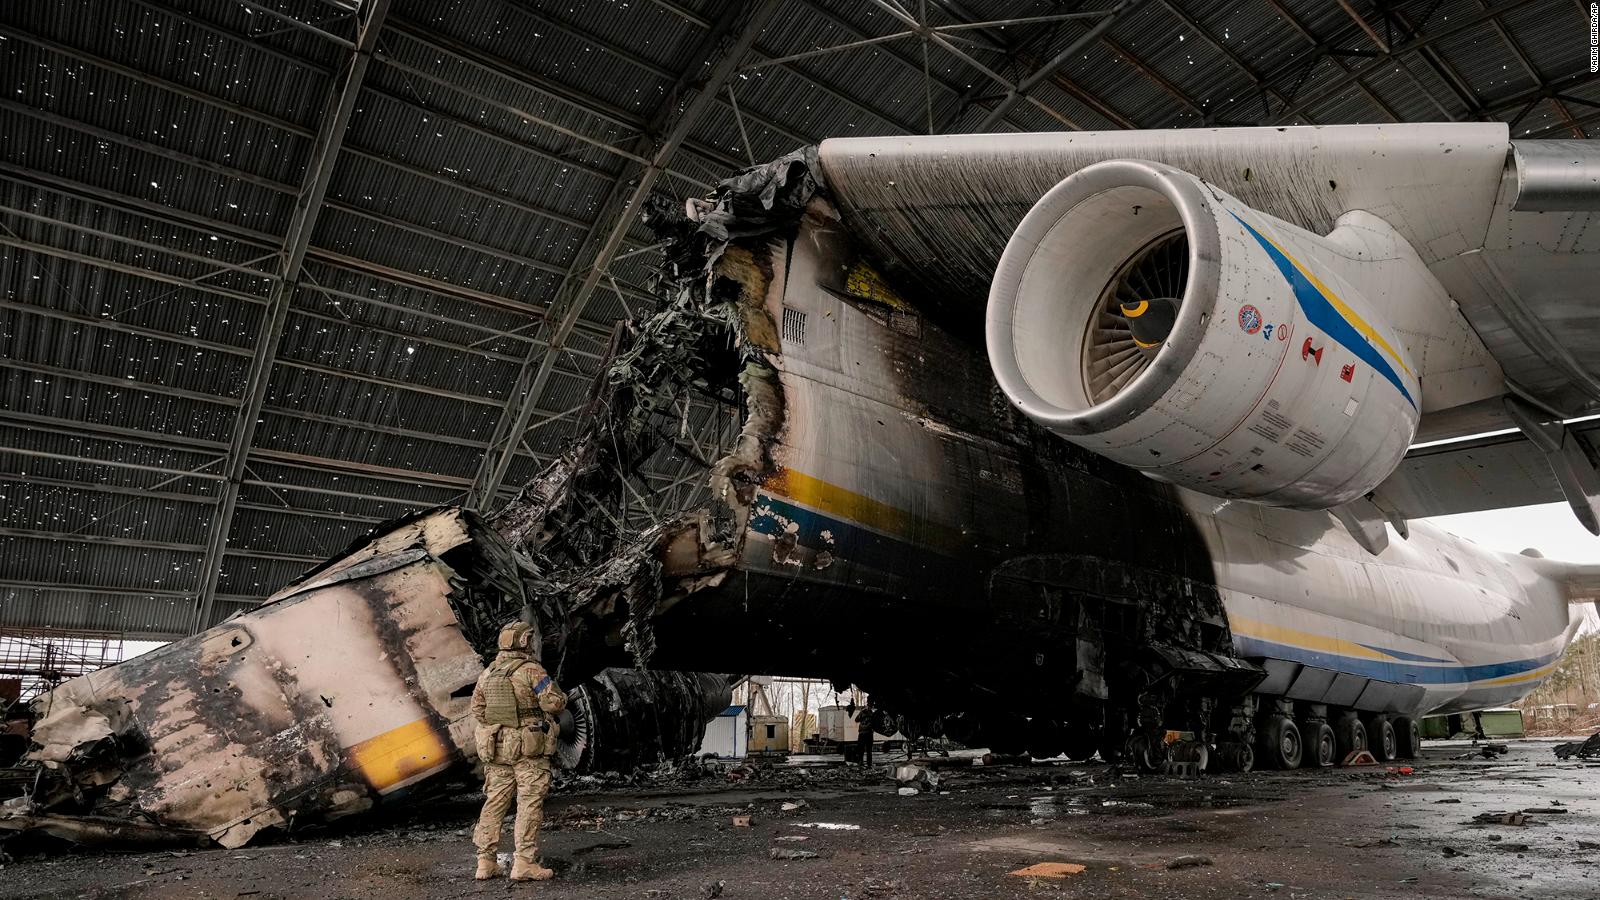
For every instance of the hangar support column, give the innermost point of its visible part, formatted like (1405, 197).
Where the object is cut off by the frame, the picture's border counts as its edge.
(314, 186)
(673, 123)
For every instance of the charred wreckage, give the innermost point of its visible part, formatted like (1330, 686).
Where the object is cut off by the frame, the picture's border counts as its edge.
(1021, 593)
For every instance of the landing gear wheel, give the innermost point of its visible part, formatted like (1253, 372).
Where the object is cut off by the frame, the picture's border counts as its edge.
(1080, 743)
(1350, 736)
(1236, 756)
(1045, 738)
(1384, 745)
(1408, 737)
(1111, 746)
(1191, 752)
(1323, 746)
(1147, 753)
(1280, 744)
(1005, 735)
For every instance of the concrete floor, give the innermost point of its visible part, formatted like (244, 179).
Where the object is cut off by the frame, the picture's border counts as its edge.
(1330, 833)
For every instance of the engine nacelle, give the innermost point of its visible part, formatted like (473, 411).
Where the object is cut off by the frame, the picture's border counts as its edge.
(1155, 319)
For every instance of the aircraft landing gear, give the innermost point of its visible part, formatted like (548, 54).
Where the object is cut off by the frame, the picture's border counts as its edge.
(1380, 734)
(1081, 742)
(1147, 750)
(1235, 756)
(1045, 738)
(1322, 748)
(1281, 745)
(1349, 735)
(1408, 736)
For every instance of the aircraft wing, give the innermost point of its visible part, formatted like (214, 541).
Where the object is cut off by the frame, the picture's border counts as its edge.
(1510, 230)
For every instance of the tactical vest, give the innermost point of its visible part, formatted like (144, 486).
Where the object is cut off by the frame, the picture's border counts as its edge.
(500, 698)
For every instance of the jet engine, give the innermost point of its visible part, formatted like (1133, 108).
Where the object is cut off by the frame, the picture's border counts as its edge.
(1155, 319)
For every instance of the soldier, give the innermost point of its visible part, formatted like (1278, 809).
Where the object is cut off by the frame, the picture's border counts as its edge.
(514, 704)
(864, 733)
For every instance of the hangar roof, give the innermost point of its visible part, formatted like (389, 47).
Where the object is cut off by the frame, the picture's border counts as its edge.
(277, 270)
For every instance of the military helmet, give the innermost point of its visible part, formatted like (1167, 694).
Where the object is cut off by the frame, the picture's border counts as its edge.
(517, 636)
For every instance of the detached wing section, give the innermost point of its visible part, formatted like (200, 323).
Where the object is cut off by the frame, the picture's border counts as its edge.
(1451, 255)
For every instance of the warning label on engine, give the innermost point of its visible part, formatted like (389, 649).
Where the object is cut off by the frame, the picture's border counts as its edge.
(1306, 443)
(1271, 424)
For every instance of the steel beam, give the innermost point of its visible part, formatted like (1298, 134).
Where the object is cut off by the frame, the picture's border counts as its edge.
(1190, 22)
(1057, 80)
(319, 173)
(1300, 28)
(725, 49)
(1043, 73)
(1364, 25)
(125, 204)
(1371, 66)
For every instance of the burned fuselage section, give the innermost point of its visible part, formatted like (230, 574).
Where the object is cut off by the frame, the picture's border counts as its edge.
(884, 517)
(348, 687)
(345, 687)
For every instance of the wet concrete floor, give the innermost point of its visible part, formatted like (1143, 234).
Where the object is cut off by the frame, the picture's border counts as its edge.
(1306, 834)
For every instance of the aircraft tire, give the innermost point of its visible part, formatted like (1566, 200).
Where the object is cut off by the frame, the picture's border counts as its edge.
(1408, 737)
(1385, 746)
(1080, 743)
(1236, 756)
(1350, 735)
(1145, 752)
(1045, 738)
(1281, 744)
(1322, 747)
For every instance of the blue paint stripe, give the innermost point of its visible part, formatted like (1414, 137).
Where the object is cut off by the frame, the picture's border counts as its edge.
(1322, 313)
(850, 541)
(1394, 672)
(860, 545)
(1401, 654)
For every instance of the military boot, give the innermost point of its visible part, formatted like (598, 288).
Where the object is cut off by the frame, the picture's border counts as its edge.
(487, 868)
(526, 871)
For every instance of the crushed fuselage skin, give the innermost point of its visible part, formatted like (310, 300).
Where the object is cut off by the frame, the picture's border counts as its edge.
(347, 686)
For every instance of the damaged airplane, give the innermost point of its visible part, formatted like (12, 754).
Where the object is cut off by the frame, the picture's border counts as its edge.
(1051, 442)
(345, 688)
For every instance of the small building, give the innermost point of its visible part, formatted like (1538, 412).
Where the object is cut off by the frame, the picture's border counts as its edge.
(728, 735)
(769, 734)
(836, 724)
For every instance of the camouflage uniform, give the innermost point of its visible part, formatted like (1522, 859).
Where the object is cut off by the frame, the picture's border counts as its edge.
(514, 705)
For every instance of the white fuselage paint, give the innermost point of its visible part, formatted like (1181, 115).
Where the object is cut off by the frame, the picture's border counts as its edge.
(1432, 609)
(1476, 628)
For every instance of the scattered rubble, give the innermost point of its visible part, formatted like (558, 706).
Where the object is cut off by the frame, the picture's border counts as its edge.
(1502, 818)
(1587, 749)
(674, 838)
(915, 777)
(1050, 870)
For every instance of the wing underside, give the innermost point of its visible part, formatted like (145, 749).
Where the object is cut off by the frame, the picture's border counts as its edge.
(1508, 228)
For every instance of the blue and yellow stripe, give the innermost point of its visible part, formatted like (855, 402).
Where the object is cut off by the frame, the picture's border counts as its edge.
(1324, 309)
(1254, 638)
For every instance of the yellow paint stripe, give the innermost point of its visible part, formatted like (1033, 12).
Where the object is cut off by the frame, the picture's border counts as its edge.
(1538, 673)
(1137, 310)
(1343, 308)
(1278, 634)
(399, 755)
(836, 501)
(859, 509)
(1308, 641)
